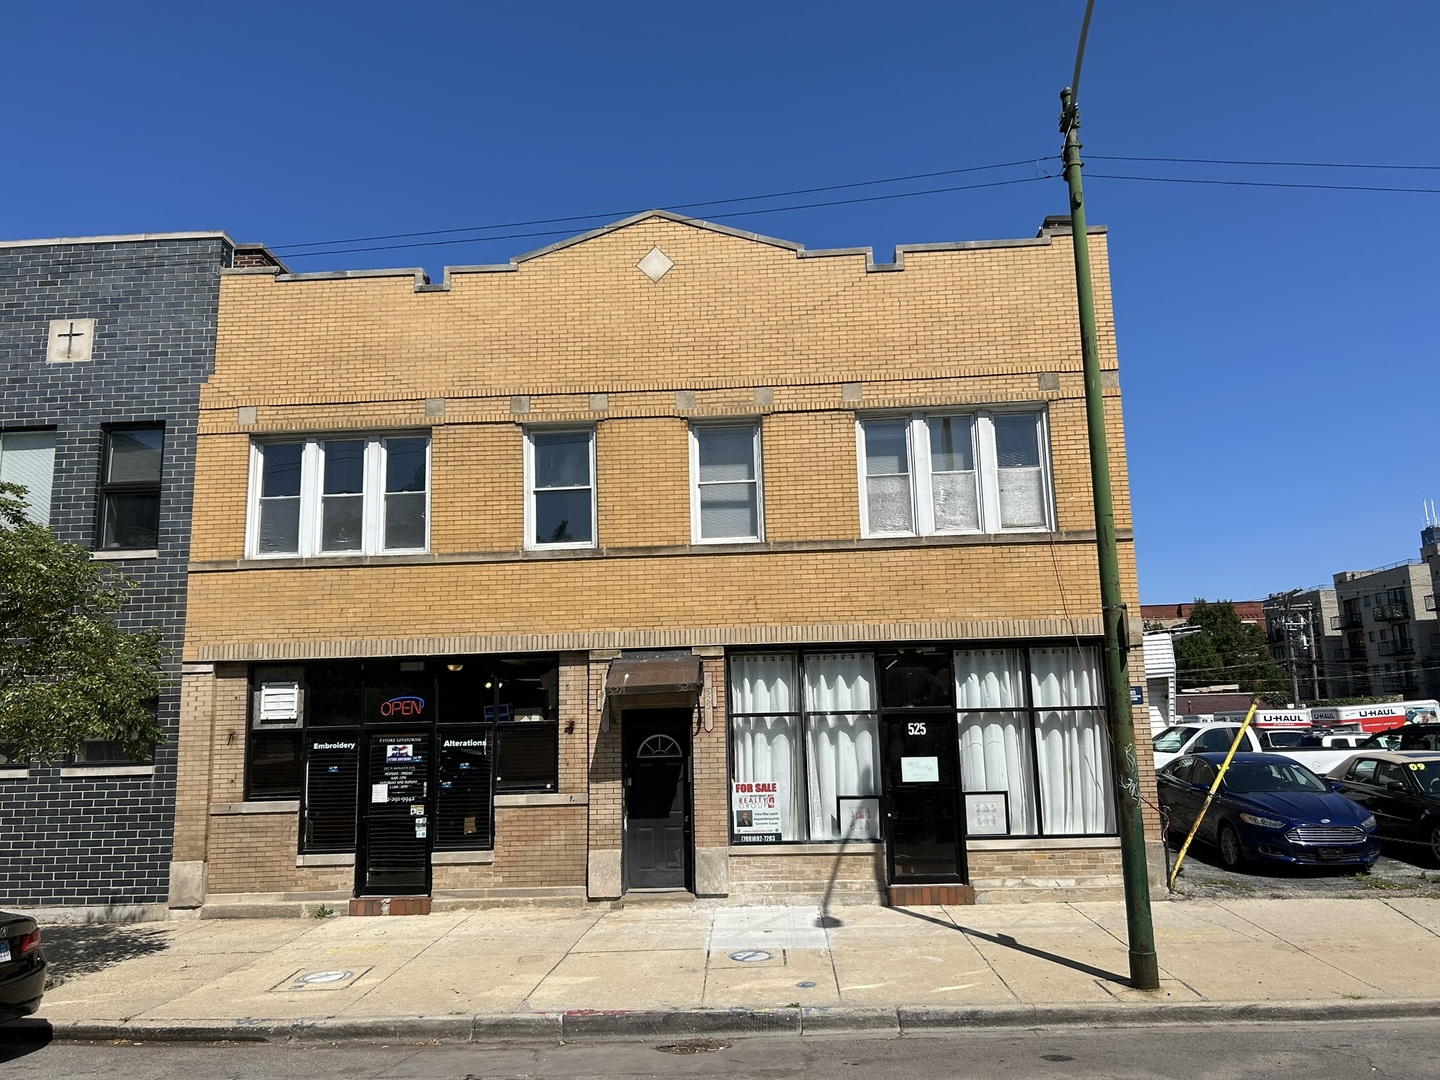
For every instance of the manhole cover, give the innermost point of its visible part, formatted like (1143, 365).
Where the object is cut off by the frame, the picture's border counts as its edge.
(318, 978)
(693, 1046)
(751, 956)
(320, 981)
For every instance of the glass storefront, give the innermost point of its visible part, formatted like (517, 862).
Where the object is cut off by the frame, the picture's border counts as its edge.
(493, 721)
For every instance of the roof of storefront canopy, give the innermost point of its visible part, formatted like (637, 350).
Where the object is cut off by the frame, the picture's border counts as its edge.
(669, 674)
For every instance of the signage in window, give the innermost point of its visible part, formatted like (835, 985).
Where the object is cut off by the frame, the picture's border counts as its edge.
(755, 811)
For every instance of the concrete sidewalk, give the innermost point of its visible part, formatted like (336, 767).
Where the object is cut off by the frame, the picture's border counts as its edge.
(656, 969)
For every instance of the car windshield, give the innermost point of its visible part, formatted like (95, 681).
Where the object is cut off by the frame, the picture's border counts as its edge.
(1426, 774)
(1172, 739)
(1285, 738)
(1382, 740)
(1278, 775)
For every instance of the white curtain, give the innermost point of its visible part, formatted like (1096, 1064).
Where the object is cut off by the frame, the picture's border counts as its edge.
(995, 748)
(1071, 747)
(767, 748)
(842, 747)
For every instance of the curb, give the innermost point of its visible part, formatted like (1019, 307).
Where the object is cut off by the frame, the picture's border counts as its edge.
(736, 1023)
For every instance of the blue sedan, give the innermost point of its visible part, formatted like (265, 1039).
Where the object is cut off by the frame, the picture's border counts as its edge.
(1267, 808)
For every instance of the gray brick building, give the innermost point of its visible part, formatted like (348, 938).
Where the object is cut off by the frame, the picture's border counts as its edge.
(104, 342)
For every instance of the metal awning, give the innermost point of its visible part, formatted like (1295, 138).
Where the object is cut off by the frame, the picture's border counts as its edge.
(675, 674)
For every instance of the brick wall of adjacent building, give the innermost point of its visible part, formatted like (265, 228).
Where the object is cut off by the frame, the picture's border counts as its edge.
(99, 840)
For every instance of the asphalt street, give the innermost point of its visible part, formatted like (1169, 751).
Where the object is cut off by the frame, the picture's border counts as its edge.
(1322, 1051)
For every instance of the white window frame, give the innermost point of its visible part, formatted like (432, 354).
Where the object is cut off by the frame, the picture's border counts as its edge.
(38, 496)
(759, 482)
(987, 473)
(532, 544)
(312, 466)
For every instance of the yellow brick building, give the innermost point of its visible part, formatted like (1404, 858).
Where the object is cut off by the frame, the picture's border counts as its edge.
(665, 558)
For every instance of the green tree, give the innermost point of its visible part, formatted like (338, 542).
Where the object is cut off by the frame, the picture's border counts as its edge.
(68, 672)
(1227, 650)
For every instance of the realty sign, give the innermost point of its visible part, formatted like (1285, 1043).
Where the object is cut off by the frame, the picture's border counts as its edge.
(755, 811)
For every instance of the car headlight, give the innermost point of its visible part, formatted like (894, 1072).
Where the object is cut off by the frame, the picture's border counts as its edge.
(1263, 822)
(1368, 823)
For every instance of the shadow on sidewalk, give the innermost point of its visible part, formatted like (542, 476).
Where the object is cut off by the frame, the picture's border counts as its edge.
(85, 948)
(1010, 943)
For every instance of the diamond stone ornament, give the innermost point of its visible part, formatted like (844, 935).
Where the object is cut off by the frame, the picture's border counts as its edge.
(655, 265)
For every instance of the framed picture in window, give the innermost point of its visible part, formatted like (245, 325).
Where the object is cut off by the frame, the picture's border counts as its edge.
(859, 817)
(987, 813)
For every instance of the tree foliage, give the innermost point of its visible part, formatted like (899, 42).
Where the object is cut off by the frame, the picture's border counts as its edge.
(1227, 650)
(68, 671)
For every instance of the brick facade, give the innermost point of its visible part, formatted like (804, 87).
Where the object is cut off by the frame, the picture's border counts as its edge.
(88, 836)
(740, 327)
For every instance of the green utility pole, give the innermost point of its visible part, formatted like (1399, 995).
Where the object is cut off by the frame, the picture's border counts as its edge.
(1144, 968)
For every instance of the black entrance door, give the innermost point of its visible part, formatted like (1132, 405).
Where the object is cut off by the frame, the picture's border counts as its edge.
(393, 854)
(923, 803)
(656, 748)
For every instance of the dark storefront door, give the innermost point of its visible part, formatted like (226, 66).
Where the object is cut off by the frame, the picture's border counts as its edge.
(922, 799)
(656, 748)
(393, 856)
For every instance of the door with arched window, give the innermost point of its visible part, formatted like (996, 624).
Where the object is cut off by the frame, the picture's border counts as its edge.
(656, 774)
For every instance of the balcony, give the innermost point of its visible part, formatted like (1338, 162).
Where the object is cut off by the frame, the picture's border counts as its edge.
(1397, 648)
(1354, 656)
(1347, 620)
(1391, 612)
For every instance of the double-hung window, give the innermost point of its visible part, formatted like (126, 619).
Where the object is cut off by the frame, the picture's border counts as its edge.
(560, 489)
(926, 473)
(726, 504)
(130, 487)
(348, 495)
(27, 458)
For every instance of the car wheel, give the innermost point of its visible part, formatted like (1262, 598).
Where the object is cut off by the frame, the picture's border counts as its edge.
(1435, 843)
(1231, 853)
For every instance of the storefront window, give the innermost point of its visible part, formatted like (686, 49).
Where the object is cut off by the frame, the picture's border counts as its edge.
(463, 814)
(274, 767)
(1030, 728)
(786, 787)
(498, 733)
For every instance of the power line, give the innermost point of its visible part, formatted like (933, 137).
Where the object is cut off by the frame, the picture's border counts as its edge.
(1265, 184)
(1278, 164)
(615, 214)
(713, 217)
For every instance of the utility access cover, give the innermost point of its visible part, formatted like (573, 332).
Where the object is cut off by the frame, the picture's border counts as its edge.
(320, 980)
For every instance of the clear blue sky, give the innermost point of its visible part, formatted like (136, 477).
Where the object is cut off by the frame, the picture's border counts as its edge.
(1278, 346)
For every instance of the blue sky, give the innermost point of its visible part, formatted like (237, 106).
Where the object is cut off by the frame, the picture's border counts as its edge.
(1277, 345)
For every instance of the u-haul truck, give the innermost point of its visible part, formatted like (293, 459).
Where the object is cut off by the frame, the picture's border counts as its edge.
(1270, 718)
(1381, 717)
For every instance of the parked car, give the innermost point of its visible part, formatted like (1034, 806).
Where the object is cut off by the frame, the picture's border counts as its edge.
(1402, 789)
(1215, 738)
(1406, 737)
(22, 966)
(1268, 808)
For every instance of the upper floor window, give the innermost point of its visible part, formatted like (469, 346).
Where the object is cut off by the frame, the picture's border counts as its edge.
(350, 495)
(27, 458)
(725, 496)
(560, 489)
(130, 487)
(925, 473)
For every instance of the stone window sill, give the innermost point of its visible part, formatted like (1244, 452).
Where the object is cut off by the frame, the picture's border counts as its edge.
(120, 554)
(78, 772)
(279, 806)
